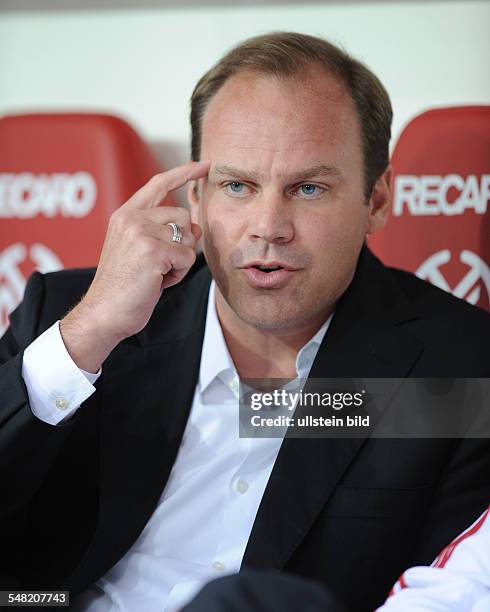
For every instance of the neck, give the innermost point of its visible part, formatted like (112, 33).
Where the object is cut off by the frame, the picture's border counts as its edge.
(264, 353)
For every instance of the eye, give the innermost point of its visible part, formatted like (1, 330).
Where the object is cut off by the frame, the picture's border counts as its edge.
(309, 191)
(236, 188)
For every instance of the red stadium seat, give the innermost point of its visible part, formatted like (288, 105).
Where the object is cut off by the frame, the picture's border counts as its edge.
(61, 176)
(439, 227)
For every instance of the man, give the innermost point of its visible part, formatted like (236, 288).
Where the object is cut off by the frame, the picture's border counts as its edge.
(136, 492)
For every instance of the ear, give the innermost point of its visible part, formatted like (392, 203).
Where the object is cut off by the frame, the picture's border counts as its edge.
(379, 202)
(193, 199)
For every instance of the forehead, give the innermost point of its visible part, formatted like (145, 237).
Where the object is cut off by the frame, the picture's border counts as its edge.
(256, 117)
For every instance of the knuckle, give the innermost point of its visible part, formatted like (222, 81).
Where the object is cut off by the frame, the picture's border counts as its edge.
(191, 239)
(148, 248)
(180, 214)
(123, 217)
(134, 231)
(190, 254)
(118, 222)
(114, 218)
(186, 216)
(156, 179)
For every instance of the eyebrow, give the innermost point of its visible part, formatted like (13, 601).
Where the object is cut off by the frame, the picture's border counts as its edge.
(254, 177)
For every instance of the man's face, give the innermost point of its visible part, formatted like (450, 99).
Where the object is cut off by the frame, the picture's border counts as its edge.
(285, 188)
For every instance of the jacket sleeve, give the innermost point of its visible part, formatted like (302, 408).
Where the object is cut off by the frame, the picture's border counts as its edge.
(28, 446)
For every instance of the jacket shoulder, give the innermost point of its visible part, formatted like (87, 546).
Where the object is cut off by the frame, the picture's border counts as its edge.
(431, 301)
(456, 334)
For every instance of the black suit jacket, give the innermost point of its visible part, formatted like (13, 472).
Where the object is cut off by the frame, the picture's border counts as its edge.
(352, 513)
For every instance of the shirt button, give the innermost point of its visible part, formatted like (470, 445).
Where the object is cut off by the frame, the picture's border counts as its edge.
(218, 566)
(61, 403)
(241, 486)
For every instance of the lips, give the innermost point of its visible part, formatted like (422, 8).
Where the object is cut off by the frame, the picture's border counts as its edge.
(268, 266)
(268, 275)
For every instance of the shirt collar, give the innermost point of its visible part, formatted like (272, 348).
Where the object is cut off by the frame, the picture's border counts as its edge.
(216, 361)
(215, 358)
(306, 355)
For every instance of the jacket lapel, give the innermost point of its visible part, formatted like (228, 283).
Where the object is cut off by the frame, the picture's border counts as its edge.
(368, 337)
(146, 395)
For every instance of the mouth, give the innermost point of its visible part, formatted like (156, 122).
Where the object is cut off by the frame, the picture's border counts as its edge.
(268, 269)
(268, 275)
(269, 266)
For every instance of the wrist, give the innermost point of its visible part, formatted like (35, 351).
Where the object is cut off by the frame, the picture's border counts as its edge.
(87, 339)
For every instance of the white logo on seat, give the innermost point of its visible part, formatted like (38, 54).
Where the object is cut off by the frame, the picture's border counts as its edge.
(465, 289)
(25, 195)
(447, 195)
(12, 280)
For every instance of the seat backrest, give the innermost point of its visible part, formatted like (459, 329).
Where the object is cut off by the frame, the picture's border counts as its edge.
(439, 226)
(61, 177)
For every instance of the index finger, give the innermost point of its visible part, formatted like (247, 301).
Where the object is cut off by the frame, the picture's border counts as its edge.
(157, 188)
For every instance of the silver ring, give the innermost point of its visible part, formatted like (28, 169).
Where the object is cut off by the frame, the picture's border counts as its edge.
(177, 232)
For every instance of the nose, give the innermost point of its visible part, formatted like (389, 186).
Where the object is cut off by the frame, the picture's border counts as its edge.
(271, 220)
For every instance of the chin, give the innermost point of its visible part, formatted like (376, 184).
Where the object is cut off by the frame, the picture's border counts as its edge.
(270, 319)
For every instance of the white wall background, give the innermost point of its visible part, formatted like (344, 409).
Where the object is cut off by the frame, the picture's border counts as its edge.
(143, 63)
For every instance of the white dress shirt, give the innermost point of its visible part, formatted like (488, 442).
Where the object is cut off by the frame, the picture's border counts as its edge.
(202, 523)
